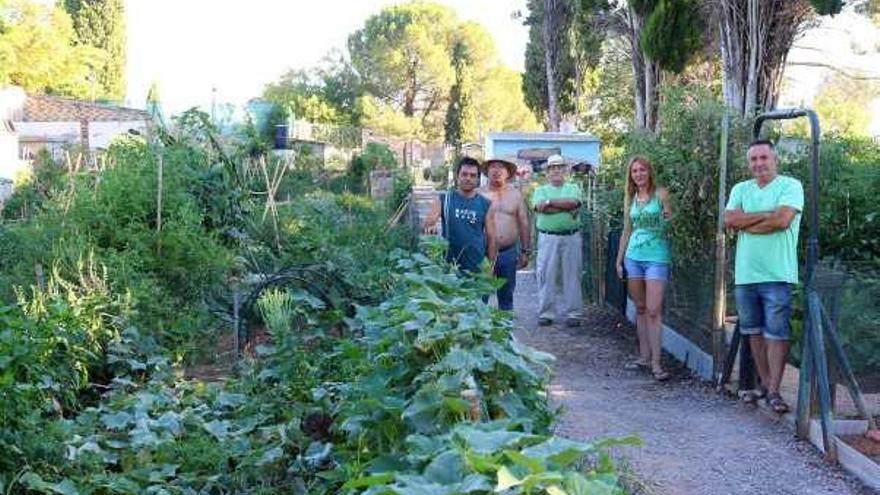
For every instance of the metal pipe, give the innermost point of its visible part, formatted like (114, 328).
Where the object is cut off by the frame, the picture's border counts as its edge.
(813, 239)
(808, 364)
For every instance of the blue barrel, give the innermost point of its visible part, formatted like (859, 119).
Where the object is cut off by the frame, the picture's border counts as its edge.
(282, 138)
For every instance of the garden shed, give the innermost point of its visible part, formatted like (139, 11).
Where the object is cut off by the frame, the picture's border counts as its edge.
(535, 147)
(55, 124)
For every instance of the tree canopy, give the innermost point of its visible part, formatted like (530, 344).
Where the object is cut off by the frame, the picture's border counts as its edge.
(574, 32)
(403, 57)
(326, 94)
(101, 24)
(38, 51)
(413, 71)
(844, 105)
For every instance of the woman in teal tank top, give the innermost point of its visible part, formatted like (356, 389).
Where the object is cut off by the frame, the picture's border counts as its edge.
(643, 258)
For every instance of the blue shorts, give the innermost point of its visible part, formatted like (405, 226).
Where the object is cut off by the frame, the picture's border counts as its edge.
(765, 308)
(647, 270)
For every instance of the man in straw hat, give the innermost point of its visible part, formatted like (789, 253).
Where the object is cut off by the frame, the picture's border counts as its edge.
(559, 244)
(466, 218)
(512, 233)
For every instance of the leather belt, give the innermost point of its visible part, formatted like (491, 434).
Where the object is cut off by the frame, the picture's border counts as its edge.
(559, 232)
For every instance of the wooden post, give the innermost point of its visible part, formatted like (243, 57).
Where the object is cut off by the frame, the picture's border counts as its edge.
(821, 362)
(159, 172)
(846, 371)
(236, 323)
(806, 384)
(720, 304)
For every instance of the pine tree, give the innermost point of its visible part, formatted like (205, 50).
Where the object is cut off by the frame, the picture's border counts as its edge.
(101, 24)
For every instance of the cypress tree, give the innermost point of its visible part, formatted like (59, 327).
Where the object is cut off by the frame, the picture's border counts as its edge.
(101, 24)
(673, 33)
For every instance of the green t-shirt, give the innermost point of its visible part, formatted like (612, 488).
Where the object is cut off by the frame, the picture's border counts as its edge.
(767, 257)
(649, 240)
(557, 222)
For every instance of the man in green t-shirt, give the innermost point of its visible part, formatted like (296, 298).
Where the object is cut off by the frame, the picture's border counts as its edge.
(559, 244)
(765, 211)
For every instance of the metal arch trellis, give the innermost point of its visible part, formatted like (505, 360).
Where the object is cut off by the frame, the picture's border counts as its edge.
(819, 325)
(319, 279)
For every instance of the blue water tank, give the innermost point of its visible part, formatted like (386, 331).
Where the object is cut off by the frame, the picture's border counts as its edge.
(282, 138)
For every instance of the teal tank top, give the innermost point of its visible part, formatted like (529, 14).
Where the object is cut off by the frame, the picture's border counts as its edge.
(649, 240)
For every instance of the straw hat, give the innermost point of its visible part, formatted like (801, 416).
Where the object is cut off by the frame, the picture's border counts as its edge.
(508, 163)
(555, 161)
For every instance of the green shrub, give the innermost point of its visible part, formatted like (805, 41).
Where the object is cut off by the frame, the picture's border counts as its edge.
(34, 188)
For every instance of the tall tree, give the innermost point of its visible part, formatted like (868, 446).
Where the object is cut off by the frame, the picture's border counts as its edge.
(844, 105)
(755, 38)
(38, 51)
(589, 29)
(328, 93)
(500, 103)
(870, 8)
(461, 124)
(662, 35)
(554, 36)
(565, 38)
(422, 70)
(101, 24)
(402, 55)
(646, 72)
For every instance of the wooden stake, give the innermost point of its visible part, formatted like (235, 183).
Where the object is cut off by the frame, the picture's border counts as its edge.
(159, 205)
(720, 303)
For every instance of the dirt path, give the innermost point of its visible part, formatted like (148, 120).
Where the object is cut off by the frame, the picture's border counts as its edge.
(695, 441)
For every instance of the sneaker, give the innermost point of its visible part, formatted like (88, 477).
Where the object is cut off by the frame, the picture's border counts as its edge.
(543, 322)
(572, 322)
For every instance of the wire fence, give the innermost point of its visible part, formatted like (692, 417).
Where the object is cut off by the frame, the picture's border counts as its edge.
(850, 290)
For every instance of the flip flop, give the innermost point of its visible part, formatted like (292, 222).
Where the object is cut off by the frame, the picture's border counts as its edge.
(775, 402)
(635, 365)
(753, 396)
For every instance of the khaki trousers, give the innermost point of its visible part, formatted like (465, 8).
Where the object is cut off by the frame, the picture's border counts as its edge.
(559, 256)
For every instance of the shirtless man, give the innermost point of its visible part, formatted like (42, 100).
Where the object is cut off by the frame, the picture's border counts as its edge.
(512, 233)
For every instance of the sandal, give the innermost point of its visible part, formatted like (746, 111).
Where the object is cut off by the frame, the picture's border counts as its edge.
(635, 365)
(661, 375)
(775, 402)
(753, 396)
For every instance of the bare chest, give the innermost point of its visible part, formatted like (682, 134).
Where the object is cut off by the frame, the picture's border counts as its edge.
(506, 202)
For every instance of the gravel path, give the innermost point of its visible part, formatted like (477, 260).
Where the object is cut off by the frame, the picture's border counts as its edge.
(695, 440)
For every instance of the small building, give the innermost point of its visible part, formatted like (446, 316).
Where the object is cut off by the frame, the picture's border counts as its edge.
(59, 124)
(11, 101)
(535, 147)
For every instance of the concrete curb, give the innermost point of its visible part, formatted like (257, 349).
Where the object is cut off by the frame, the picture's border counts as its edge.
(695, 359)
(850, 459)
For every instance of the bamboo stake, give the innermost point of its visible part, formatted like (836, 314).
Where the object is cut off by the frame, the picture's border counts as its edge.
(159, 205)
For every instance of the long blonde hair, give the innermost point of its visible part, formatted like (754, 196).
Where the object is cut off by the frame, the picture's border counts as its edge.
(631, 188)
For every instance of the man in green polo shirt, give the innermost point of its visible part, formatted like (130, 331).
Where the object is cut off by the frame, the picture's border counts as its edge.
(765, 211)
(559, 245)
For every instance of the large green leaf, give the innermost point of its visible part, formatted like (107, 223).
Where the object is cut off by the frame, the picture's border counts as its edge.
(446, 468)
(116, 421)
(488, 442)
(559, 450)
(368, 481)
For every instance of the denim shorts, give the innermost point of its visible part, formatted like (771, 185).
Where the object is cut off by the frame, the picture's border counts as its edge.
(647, 270)
(765, 308)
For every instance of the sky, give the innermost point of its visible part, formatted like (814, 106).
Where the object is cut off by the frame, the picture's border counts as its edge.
(189, 47)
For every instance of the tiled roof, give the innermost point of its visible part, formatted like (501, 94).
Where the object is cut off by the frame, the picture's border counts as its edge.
(542, 136)
(44, 108)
